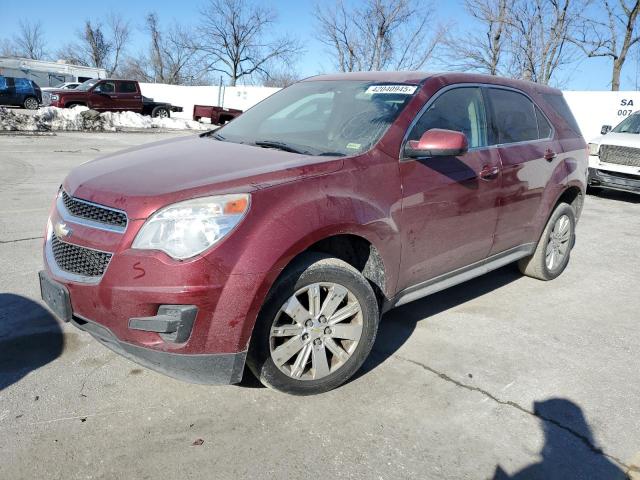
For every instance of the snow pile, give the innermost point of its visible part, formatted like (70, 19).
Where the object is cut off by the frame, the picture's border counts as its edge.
(82, 119)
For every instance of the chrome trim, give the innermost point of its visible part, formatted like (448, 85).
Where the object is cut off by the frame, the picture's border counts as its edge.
(488, 112)
(59, 272)
(69, 217)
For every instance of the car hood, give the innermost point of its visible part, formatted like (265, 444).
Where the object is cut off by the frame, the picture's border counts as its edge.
(142, 179)
(620, 139)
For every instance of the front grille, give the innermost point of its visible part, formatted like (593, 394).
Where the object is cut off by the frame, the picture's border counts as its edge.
(620, 155)
(90, 211)
(79, 260)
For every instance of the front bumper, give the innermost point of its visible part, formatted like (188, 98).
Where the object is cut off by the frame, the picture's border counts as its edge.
(210, 369)
(207, 368)
(614, 180)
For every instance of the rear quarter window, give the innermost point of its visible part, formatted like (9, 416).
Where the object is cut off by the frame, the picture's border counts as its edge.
(544, 127)
(560, 107)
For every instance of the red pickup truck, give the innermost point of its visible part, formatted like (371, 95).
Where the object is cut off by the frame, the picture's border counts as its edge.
(109, 95)
(218, 115)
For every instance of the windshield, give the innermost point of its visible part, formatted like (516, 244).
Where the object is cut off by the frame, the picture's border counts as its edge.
(84, 86)
(631, 124)
(321, 117)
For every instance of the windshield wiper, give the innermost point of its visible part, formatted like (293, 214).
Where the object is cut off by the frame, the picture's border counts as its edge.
(212, 133)
(279, 145)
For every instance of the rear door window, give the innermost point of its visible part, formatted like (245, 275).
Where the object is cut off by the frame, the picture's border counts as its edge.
(460, 109)
(514, 117)
(127, 87)
(23, 85)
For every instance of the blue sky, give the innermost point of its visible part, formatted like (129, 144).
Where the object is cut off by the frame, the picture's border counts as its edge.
(62, 19)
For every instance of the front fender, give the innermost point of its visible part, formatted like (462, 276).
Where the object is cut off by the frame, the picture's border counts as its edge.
(287, 219)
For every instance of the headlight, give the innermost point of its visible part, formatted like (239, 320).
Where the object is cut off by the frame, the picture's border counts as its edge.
(593, 149)
(185, 229)
(54, 97)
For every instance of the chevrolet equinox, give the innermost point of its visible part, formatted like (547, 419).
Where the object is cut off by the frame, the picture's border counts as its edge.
(279, 239)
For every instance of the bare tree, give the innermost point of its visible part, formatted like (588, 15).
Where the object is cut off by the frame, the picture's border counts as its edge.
(170, 59)
(120, 31)
(98, 46)
(336, 32)
(378, 35)
(485, 51)
(8, 48)
(280, 78)
(236, 38)
(541, 36)
(30, 42)
(612, 38)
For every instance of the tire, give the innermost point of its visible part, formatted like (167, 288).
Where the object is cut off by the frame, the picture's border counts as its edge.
(30, 103)
(540, 265)
(161, 112)
(304, 372)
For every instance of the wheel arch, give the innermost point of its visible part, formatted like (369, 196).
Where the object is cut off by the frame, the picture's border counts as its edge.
(353, 246)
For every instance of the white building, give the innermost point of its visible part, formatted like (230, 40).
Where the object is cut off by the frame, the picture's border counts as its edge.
(48, 74)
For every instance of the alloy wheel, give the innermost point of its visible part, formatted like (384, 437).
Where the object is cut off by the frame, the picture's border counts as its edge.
(558, 243)
(31, 103)
(316, 331)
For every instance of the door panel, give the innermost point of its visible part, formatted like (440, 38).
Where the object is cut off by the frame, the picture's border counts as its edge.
(128, 96)
(106, 99)
(449, 211)
(525, 174)
(524, 136)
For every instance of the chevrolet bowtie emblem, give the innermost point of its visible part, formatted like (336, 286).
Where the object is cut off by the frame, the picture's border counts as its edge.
(62, 230)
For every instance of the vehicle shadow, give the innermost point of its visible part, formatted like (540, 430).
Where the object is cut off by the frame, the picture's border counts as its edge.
(30, 337)
(397, 325)
(570, 450)
(619, 195)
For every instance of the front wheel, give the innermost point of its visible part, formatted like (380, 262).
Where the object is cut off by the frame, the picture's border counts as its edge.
(316, 327)
(551, 255)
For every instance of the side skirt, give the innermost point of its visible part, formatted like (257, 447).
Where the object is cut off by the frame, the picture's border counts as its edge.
(458, 276)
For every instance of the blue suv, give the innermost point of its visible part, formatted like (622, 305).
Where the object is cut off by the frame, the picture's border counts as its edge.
(21, 92)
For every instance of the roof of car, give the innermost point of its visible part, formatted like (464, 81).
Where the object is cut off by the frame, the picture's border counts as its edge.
(444, 77)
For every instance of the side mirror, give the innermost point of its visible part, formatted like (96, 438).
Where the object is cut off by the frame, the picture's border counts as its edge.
(437, 142)
(605, 129)
(97, 89)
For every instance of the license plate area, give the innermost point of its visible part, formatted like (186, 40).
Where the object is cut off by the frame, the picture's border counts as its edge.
(56, 296)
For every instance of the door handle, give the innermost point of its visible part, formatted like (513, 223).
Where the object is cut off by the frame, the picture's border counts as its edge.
(549, 155)
(488, 172)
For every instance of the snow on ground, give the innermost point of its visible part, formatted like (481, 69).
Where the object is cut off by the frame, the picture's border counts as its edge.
(82, 119)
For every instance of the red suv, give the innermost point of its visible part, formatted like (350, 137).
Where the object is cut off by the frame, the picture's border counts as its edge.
(280, 238)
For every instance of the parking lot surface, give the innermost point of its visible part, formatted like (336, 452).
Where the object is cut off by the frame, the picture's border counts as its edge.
(501, 377)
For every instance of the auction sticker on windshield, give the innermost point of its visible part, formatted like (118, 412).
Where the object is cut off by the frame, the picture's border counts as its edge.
(397, 89)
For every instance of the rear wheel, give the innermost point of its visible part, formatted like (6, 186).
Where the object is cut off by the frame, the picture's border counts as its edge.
(316, 328)
(30, 103)
(551, 255)
(160, 112)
